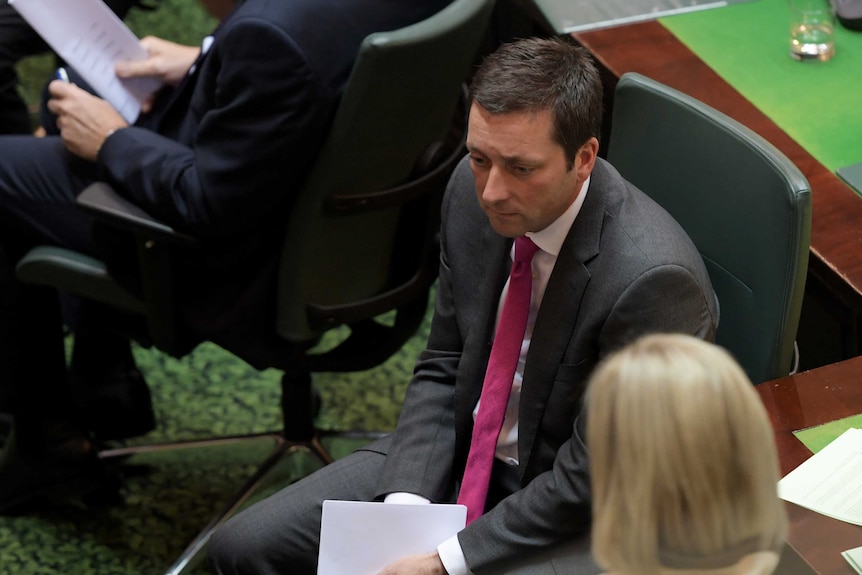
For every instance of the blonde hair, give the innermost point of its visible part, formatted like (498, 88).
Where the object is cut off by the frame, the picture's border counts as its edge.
(682, 457)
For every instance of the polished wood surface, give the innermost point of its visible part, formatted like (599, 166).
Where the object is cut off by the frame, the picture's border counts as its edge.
(836, 232)
(797, 402)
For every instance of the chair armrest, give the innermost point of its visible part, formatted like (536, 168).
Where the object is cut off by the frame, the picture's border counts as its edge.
(103, 202)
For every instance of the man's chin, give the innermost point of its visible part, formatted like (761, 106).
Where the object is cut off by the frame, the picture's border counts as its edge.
(507, 227)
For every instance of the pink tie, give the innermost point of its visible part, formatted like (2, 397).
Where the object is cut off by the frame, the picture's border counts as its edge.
(498, 381)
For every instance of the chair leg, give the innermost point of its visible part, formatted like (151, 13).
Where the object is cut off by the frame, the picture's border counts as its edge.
(199, 542)
(300, 406)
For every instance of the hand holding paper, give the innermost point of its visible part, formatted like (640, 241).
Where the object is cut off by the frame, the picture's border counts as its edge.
(91, 39)
(359, 538)
(167, 61)
(428, 564)
(84, 120)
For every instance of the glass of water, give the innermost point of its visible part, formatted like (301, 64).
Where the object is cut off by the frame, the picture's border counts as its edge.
(812, 30)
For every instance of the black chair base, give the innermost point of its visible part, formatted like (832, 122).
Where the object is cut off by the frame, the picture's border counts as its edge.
(298, 435)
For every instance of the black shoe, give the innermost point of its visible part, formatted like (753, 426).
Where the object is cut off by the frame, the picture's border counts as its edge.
(60, 473)
(114, 404)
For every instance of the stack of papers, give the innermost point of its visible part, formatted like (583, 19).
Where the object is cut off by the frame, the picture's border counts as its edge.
(830, 481)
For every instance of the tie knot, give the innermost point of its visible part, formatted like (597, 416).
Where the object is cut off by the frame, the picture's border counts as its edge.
(525, 249)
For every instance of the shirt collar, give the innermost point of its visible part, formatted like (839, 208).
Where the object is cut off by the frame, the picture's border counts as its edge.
(551, 239)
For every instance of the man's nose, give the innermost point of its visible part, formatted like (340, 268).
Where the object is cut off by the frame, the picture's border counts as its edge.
(495, 187)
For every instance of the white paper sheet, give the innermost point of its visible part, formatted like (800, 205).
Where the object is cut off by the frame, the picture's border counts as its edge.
(360, 538)
(830, 481)
(91, 38)
(854, 557)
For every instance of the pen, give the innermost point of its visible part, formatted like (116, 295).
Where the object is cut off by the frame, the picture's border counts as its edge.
(61, 74)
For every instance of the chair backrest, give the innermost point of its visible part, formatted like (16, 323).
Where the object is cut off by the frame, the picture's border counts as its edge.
(744, 204)
(367, 213)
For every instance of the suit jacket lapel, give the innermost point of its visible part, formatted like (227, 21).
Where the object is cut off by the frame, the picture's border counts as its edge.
(556, 320)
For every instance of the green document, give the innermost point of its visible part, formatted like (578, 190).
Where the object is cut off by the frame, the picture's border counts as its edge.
(819, 104)
(817, 437)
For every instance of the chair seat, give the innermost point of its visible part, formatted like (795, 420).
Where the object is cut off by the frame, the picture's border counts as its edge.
(79, 274)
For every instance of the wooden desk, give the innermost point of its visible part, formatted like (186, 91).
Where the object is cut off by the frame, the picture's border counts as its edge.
(796, 402)
(832, 313)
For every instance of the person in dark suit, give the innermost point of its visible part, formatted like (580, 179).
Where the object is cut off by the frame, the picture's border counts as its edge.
(217, 154)
(112, 394)
(611, 265)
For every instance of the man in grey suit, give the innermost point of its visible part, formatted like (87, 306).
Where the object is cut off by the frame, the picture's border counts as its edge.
(611, 265)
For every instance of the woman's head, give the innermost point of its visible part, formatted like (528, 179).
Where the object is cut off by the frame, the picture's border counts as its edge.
(682, 457)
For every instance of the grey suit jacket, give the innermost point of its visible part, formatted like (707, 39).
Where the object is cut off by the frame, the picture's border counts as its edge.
(626, 268)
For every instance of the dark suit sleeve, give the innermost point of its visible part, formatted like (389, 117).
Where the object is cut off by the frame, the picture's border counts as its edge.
(555, 506)
(257, 121)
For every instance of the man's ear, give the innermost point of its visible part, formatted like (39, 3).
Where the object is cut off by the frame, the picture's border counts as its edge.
(585, 158)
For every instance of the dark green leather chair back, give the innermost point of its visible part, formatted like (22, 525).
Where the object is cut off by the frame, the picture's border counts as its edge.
(745, 205)
(354, 218)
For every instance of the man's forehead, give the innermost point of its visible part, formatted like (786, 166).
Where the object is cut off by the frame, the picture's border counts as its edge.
(486, 130)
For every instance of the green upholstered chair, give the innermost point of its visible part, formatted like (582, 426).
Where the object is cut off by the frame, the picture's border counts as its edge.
(360, 241)
(745, 205)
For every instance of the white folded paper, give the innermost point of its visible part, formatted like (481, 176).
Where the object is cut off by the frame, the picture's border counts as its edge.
(360, 538)
(854, 557)
(830, 481)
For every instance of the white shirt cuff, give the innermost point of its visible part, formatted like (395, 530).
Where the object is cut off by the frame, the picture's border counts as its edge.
(452, 557)
(401, 497)
(450, 550)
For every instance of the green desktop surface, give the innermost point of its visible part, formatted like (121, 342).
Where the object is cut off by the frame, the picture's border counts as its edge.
(817, 437)
(819, 104)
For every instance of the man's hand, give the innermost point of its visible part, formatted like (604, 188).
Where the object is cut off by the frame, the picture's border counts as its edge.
(416, 565)
(167, 61)
(84, 120)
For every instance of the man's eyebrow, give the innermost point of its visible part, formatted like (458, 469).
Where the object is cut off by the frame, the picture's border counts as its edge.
(516, 159)
(513, 159)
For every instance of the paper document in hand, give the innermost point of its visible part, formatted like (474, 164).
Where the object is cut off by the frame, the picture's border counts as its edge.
(91, 38)
(360, 538)
(830, 482)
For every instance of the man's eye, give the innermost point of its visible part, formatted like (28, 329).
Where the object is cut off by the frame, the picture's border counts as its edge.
(523, 170)
(477, 161)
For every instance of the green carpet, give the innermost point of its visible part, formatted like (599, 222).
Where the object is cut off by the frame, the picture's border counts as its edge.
(168, 497)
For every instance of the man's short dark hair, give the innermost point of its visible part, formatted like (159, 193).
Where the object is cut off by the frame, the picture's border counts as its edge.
(537, 74)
